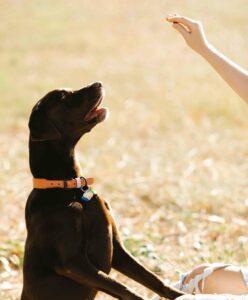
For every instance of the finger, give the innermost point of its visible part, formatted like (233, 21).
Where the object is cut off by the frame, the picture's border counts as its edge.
(180, 19)
(184, 26)
(184, 20)
(170, 16)
(184, 32)
(188, 28)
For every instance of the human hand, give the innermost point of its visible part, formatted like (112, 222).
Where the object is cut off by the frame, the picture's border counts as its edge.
(191, 30)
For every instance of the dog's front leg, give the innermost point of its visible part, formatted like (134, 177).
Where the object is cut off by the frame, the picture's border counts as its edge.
(86, 274)
(126, 264)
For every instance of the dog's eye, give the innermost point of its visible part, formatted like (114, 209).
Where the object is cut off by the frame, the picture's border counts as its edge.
(65, 98)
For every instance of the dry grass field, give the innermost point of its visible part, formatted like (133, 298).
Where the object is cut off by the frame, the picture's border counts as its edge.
(173, 157)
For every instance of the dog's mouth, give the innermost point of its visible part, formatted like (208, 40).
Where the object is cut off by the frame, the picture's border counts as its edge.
(97, 113)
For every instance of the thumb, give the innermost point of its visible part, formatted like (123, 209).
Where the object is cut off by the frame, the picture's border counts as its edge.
(181, 29)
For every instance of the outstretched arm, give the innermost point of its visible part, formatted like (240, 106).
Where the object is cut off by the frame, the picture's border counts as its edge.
(213, 297)
(193, 33)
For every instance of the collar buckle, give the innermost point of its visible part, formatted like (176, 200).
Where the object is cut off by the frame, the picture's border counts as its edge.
(65, 184)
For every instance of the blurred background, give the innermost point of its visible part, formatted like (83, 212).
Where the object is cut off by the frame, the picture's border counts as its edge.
(173, 157)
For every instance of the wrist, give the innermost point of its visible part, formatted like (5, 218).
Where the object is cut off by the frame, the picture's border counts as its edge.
(206, 50)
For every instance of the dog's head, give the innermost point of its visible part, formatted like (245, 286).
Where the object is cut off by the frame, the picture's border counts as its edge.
(67, 114)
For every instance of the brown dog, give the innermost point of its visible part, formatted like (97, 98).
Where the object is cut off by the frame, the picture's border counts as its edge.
(72, 244)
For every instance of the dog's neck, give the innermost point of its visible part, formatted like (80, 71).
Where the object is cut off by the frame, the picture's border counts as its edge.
(53, 160)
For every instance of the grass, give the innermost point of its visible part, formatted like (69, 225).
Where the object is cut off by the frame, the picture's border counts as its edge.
(172, 158)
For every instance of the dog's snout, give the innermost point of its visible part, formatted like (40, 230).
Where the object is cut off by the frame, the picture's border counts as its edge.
(97, 84)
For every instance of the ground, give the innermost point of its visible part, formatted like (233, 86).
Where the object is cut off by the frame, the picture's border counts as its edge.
(171, 159)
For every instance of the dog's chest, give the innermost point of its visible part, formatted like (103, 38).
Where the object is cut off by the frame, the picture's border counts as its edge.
(94, 222)
(100, 249)
(100, 242)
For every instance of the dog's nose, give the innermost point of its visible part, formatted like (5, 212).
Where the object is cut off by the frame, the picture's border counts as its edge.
(97, 84)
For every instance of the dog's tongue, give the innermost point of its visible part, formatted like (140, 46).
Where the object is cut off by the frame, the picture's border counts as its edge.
(100, 113)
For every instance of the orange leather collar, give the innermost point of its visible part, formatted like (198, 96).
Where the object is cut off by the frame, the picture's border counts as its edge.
(75, 183)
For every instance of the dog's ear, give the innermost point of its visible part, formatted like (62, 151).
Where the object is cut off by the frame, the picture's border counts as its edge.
(41, 128)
